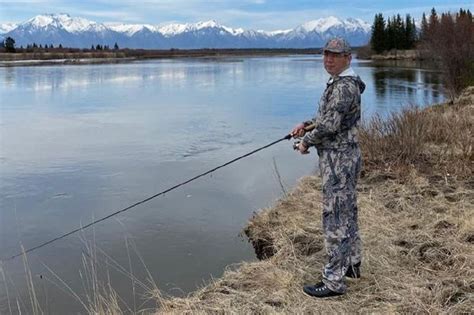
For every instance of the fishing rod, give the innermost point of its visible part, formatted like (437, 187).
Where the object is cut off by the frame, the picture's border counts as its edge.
(24, 252)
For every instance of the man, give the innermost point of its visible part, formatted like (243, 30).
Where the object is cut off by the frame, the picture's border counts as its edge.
(335, 138)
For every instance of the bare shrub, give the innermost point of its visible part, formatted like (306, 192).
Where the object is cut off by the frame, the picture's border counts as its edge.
(397, 140)
(450, 40)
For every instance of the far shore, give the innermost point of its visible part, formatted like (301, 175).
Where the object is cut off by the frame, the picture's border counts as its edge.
(68, 57)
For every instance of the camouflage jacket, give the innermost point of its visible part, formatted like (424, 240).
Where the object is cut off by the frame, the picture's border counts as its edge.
(338, 114)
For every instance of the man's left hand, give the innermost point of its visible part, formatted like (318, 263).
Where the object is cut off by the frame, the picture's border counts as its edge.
(302, 148)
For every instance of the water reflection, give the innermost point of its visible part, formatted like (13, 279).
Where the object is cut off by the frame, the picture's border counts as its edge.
(410, 86)
(396, 81)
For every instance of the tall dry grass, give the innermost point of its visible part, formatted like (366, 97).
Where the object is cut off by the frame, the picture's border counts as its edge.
(97, 296)
(439, 137)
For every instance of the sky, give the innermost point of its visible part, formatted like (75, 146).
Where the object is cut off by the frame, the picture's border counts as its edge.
(266, 15)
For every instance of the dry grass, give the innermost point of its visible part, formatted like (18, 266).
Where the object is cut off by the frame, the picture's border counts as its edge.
(417, 223)
(438, 138)
(97, 296)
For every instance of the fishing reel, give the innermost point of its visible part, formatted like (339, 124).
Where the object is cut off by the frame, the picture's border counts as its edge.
(296, 145)
(307, 128)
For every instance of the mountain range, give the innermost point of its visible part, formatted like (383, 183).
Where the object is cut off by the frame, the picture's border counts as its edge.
(78, 32)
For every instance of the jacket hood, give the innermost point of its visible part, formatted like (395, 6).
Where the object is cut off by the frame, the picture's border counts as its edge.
(349, 72)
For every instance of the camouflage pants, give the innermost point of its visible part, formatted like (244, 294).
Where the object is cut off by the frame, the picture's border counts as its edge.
(339, 172)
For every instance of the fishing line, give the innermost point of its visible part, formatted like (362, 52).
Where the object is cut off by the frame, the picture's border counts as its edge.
(287, 137)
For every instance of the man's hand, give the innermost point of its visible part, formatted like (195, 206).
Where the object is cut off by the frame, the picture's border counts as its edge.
(302, 148)
(298, 131)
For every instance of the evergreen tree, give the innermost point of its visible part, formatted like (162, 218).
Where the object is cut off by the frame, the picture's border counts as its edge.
(410, 32)
(432, 24)
(116, 47)
(98, 47)
(9, 44)
(60, 46)
(390, 34)
(399, 32)
(378, 40)
(424, 27)
(92, 47)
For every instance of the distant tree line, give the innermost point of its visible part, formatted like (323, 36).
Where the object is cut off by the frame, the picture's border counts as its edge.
(105, 47)
(395, 33)
(8, 45)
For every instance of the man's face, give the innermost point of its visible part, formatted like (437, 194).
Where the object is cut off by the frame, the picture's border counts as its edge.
(336, 63)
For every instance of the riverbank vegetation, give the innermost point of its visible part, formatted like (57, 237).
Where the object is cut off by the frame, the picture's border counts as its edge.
(416, 197)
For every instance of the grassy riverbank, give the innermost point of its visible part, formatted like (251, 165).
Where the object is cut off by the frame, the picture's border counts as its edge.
(416, 197)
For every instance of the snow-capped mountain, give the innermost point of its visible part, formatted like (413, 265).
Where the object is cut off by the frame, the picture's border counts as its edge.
(79, 32)
(7, 27)
(131, 29)
(178, 29)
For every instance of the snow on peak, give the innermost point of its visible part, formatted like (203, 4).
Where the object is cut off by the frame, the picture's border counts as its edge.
(130, 29)
(7, 27)
(324, 24)
(175, 29)
(207, 24)
(357, 23)
(64, 21)
(321, 25)
(275, 33)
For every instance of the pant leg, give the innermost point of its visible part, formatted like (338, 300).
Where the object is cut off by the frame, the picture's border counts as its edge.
(356, 243)
(339, 171)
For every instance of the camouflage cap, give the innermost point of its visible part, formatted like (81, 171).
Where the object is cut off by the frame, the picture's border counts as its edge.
(337, 45)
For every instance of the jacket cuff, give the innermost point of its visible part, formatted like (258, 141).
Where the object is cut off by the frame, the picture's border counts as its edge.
(305, 142)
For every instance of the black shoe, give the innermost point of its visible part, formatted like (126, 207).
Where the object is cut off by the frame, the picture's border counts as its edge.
(353, 271)
(319, 290)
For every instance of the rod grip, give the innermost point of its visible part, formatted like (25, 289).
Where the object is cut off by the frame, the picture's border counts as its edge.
(309, 127)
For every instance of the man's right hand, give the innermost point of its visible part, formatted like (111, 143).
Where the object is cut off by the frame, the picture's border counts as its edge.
(298, 131)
